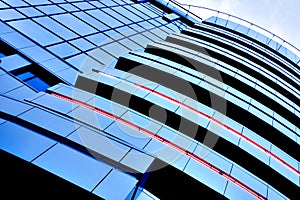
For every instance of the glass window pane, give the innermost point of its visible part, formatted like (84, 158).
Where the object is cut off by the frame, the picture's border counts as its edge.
(51, 9)
(75, 24)
(124, 132)
(23, 142)
(56, 27)
(10, 83)
(108, 20)
(73, 165)
(49, 121)
(99, 143)
(35, 32)
(92, 21)
(206, 176)
(10, 14)
(63, 50)
(82, 44)
(117, 185)
(68, 7)
(30, 12)
(127, 13)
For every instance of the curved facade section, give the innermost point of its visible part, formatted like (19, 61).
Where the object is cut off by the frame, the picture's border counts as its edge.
(143, 100)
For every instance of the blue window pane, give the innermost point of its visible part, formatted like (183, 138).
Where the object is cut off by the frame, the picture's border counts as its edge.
(55, 103)
(97, 4)
(242, 29)
(30, 12)
(213, 158)
(56, 27)
(249, 180)
(98, 39)
(84, 5)
(75, 24)
(37, 53)
(117, 16)
(256, 138)
(51, 9)
(222, 22)
(108, 3)
(13, 62)
(128, 14)
(25, 76)
(16, 3)
(105, 18)
(160, 101)
(38, 84)
(33, 80)
(49, 121)
(38, 2)
(177, 138)
(261, 38)
(16, 40)
(82, 44)
(13, 107)
(206, 176)
(145, 10)
(74, 93)
(10, 14)
(99, 143)
(287, 158)
(287, 173)
(73, 166)
(79, 61)
(126, 133)
(107, 106)
(35, 32)
(92, 118)
(131, 89)
(137, 12)
(70, 75)
(92, 21)
(224, 133)
(10, 83)
(21, 93)
(63, 50)
(54, 65)
(166, 153)
(234, 192)
(68, 7)
(4, 28)
(273, 194)
(192, 116)
(23, 142)
(144, 160)
(142, 121)
(117, 185)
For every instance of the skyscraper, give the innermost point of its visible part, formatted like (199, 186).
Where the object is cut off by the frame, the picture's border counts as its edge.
(121, 99)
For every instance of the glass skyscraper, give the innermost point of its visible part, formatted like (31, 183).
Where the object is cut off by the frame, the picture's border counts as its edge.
(145, 99)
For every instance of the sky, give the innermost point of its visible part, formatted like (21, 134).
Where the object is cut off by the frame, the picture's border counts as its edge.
(281, 17)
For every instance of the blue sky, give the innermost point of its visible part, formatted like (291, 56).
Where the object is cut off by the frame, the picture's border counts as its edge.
(281, 17)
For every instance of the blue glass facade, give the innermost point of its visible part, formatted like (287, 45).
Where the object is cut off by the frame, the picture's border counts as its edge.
(121, 99)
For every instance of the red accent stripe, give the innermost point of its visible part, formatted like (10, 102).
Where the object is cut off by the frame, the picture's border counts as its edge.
(258, 146)
(167, 142)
